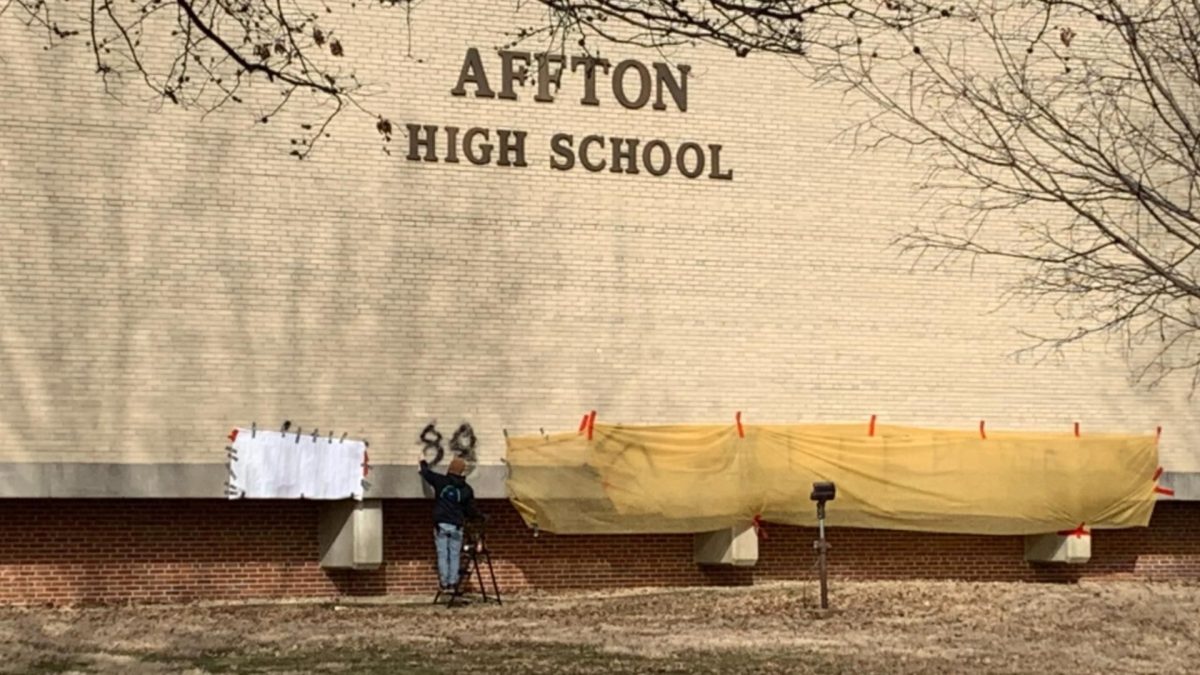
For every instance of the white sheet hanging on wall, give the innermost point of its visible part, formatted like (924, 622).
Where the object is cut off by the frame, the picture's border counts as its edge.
(271, 465)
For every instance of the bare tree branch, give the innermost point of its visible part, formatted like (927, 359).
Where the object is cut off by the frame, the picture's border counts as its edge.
(213, 48)
(1060, 135)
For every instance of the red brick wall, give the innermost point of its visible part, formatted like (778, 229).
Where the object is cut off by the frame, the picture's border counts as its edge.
(63, 551)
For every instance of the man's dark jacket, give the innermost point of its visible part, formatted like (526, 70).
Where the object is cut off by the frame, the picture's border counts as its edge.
(454, 499)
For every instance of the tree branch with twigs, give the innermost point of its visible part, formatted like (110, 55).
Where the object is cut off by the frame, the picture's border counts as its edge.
(204, 54)
(1060, 135)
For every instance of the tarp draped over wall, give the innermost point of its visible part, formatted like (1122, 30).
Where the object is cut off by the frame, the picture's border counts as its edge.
(697, 478)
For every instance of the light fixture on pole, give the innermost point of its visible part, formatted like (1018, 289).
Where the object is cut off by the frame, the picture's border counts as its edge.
(822, 492)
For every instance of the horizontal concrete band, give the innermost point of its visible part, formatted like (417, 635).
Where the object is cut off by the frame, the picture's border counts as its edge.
(1185, 484)
(196, 481)
(183, 481)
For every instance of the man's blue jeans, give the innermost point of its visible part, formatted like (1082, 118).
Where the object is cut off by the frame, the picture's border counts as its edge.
(448, 539)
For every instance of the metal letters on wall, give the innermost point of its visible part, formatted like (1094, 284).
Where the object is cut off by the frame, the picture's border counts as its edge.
(634, 86)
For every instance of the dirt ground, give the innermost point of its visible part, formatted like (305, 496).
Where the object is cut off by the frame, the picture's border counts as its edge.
(893, 627)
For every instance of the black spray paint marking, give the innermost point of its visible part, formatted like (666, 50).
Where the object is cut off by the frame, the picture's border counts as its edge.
(462, 443)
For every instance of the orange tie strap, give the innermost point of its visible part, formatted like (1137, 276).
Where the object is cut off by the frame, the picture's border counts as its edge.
(1077, 532)
(759, 529)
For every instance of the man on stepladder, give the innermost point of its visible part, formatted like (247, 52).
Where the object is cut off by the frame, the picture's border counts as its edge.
(454, 503)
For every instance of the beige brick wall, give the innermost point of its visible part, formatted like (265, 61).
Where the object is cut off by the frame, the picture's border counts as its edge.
(165, 278)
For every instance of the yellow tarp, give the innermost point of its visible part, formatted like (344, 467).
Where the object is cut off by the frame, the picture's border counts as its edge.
(697, 478)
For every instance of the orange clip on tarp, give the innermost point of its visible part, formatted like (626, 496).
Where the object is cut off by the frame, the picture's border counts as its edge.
(699, 478)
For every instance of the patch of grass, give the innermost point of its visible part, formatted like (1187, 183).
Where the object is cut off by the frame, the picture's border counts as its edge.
(333, 660)
(508, 658)
(522, 658)
(57, 664)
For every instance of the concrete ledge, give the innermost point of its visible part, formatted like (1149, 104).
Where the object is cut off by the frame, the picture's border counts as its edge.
(736, 546)
(100, 480)
(1185, 484)
(106, 480)
(1074, 549)
(351, 534)
(392, 481)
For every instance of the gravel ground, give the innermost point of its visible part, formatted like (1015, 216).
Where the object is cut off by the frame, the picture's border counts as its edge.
(894, 627)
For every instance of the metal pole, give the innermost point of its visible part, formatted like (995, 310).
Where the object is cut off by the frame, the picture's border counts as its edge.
(821, 548)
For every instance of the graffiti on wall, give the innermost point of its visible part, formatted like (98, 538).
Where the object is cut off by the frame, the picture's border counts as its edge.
(462, 444)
